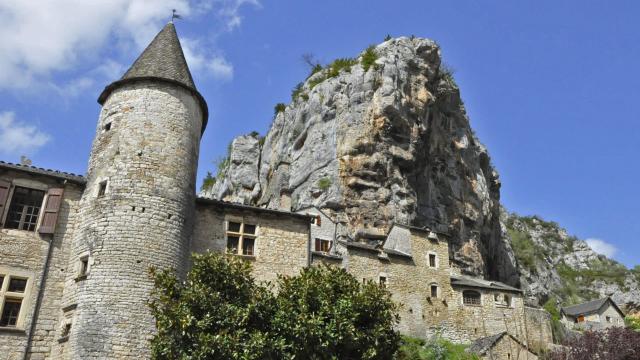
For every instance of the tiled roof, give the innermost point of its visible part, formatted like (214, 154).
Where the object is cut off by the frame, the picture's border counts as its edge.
(482, 345)
(220, 203)
(78, 179)
(162, 60)
(588, 307)
(481, 283)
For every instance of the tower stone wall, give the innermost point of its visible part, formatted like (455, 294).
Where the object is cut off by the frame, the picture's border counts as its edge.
(136, 213)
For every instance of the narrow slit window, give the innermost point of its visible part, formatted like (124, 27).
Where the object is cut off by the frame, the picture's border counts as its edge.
(83, 266)
(102, 188)
(434, 291)
(107, 127)
(432, 260)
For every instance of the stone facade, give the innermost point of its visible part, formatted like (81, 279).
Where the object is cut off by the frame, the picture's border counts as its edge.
(593, 315)
(42, 260)
(502, 346)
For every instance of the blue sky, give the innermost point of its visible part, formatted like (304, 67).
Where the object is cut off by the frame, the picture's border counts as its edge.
(551, 87)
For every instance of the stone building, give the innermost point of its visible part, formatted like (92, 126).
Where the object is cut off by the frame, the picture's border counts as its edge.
(75, 250)
(501, 346)
(592, 315)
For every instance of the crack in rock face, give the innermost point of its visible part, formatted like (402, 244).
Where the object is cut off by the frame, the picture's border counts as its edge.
(390, 143)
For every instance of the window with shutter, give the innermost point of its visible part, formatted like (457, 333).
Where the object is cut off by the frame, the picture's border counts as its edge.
(4, 194)
(51, 210)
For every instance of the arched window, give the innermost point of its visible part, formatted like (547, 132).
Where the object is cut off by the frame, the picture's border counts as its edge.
(470, 297)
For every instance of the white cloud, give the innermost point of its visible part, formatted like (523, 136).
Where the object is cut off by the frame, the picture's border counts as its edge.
(44, 38)
(214, 65)
(602, 247)
(19, 138)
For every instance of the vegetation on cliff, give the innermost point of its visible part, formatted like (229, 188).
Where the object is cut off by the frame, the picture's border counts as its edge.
(220, 312)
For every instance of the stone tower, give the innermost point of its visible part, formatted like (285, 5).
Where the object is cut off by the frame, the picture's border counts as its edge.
(138, 206)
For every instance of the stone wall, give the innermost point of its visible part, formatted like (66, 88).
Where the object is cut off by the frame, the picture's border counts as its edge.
(409, 280)
(145, 154)
(538, 325)
(25, 253)
(281, 245)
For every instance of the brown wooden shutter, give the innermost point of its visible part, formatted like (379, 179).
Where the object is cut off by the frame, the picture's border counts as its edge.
(4, 194)
(50, 212)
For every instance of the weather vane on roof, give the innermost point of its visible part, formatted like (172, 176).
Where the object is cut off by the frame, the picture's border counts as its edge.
(175, 15)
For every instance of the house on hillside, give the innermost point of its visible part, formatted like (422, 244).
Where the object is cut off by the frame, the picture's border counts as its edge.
(593, 315)
(501, 346)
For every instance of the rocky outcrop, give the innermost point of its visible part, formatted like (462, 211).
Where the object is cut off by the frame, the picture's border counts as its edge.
(554, 264)
(379, 139)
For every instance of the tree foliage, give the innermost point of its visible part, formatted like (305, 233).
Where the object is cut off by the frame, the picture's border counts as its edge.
(220, 312)
(615, 343)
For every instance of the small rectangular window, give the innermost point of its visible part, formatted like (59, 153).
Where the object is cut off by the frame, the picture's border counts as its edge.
(234, 227)
(247, 246)
(83, 267)
(432, 260)
(323, 245)
(17, 285)
(249, 229)
(232, 244)
(383, 281)
(102, 188)
(241, 238)
(434, 291)
(10, 312)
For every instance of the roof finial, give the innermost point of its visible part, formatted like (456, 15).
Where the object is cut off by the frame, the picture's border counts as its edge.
(175, 15)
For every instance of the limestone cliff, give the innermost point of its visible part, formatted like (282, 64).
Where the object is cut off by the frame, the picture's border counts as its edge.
(556, 265)
(378, 139)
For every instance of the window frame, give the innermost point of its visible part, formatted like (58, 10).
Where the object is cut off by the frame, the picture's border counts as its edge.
(30, 185)
(437, 288)
(9, 202)
(321, 240)
(472, 303)
(435, 260)
(24, 297)
(242, 236)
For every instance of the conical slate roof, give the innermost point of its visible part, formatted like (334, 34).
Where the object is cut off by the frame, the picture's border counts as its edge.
(163, 60)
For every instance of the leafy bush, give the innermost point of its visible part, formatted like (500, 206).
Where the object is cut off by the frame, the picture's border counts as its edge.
(208, 181)
(434, 349)
(369, 58)
(220, 312)
(632, 323)
(254, 134)
(297, 91)
(324, 183)
(558, 331)
(325, 313)
(615, 343)
(280, 107)
(340, 64)
(526, 251)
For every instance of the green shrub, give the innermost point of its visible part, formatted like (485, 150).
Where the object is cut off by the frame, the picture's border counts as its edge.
(434, 349)
(526, 251)
(280, 107)
(220, 312)
(632, 323)
(297, 90)
(208, 181)
(324, 183)
(387, 38)
(254, 134)
(369, 58)
(340, 64)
